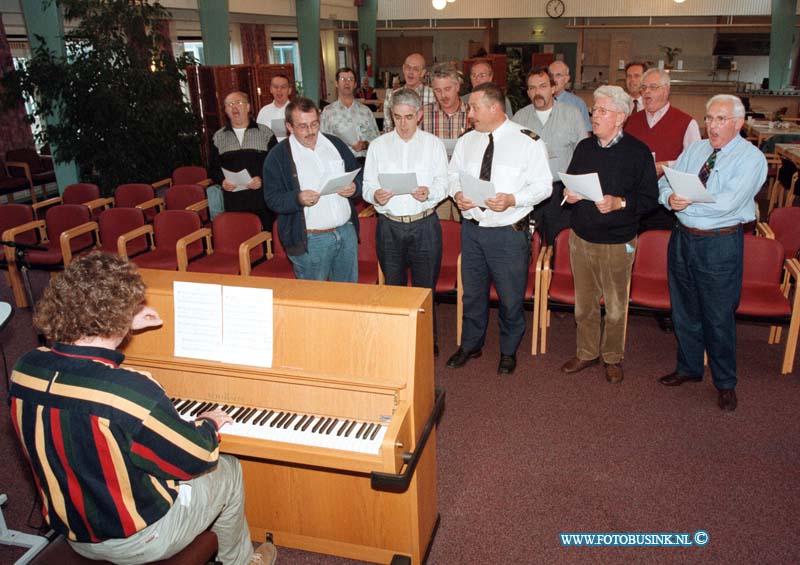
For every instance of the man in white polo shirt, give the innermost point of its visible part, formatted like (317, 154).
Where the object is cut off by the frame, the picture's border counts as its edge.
(281, 91)
(319, 233)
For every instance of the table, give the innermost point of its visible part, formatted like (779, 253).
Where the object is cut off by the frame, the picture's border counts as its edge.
(762, 131)
(790, 151)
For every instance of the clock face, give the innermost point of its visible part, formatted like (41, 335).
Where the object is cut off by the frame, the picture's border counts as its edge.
(555, 8)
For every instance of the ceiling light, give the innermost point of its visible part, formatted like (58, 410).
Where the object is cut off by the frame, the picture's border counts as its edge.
(439, 4)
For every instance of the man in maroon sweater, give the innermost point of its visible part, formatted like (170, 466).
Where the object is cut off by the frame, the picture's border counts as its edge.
(666, 130)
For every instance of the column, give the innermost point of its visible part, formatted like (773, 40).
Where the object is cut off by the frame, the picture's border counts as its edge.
(214, 19)
(781, 37)
(308, 13)
(367, 22)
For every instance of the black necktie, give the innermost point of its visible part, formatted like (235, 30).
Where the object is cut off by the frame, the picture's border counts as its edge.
(635, 105)
(486, 163)
(708, 166)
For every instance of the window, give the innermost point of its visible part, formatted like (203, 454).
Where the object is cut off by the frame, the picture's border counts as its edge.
(196, 49)
(287, 52)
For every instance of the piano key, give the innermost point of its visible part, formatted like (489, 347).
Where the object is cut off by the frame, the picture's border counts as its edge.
(342, 427)
(288, 422)
(317, 425)
(187, 407)
(350, 428)
(361, 430)
(329, 429)
(300, 422)
(276, 419)
(267, 415)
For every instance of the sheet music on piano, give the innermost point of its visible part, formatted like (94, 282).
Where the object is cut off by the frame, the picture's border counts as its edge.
(231, 324)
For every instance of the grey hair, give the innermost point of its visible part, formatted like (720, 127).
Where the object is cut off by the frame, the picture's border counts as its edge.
(738, 106)
(663, 76)
(618, 96)
(408, 97)
(446, 70)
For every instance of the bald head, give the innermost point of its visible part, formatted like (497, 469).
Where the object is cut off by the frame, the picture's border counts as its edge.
(414, 70)
(560, 72)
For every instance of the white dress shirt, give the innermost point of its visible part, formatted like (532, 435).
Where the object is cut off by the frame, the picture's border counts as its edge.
(271, 112)
(519, 167)
(332, 210)
(423, 154)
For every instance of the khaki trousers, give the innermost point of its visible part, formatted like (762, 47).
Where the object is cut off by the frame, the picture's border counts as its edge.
(601, 270)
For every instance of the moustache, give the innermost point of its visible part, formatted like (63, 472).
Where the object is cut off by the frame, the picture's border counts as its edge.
(538, 98)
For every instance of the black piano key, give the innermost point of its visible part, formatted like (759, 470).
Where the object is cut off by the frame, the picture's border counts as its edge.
(300, 422)
(330, 427)
(230, 408)
(266, 416)
(350, 428)
(244, 415)
(288, 422)
(308, 423)
(180, 404)
(375, 432)
(367, 432)
(282, 421)
(361, 430)
(254, 416)
(342, 427)
(200, 408)
(275, 419)
(239, 411)
(188, 407)
(322, 423)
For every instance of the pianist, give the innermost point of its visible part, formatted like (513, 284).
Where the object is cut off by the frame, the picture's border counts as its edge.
(120, 474)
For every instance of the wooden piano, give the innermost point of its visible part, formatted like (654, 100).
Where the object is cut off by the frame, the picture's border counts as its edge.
(344, 353)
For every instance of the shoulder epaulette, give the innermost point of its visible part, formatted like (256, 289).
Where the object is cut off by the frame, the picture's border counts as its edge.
(529, 133)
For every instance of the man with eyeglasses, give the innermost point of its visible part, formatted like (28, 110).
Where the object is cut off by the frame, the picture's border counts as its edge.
(602, 243)
(561, 127)
(414, 73)
(560, 72)
(706, 248)
(274, 113)
(242, 144)
(319, 233)
(347, 118)
(481, 72)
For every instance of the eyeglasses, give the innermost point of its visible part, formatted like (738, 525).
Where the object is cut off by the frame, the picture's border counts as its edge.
(415, 69)
(347, 79)
(480, 75)
(603, 112)
(652, 87)
(717, 120)
(236, 103)
(313, 126)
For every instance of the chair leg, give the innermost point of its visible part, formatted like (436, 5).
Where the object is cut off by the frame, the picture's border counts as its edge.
(459, 302)
(14, 279)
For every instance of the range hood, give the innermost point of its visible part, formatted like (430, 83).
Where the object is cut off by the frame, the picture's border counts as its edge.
(741, 44)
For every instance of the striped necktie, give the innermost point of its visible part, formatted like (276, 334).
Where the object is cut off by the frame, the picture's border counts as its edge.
(708, 166)
(486, 162)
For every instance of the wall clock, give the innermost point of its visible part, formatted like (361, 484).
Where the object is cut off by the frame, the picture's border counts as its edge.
(555, 8)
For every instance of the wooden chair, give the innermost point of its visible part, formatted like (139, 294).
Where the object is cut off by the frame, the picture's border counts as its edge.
(369, 272)
(83, 193)
(37, 169)
(139, 195)
(165, 235)
(189, 174)
(230, 233)
(188, 197)
(277, 263)
(10, 185)
(782, 188)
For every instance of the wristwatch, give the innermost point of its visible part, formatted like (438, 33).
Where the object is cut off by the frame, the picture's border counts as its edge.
(623, 203)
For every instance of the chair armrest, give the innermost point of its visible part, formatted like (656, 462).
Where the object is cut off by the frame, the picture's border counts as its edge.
(763, 230)
(367, 212)
(245, 265)
(101, 203)
(45, 204)
(205, 183)
(11, 233)
(152, 203)
(198, 206)
(68, 235)
(162, 182)
(122, 241)
(26, 170)
(182, 243)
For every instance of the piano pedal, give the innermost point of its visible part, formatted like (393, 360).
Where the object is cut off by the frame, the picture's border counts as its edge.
(401, 560)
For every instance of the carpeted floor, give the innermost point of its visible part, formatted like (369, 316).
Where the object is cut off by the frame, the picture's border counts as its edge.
(524, 458)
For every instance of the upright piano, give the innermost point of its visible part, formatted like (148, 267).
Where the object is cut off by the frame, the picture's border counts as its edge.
(342, 455)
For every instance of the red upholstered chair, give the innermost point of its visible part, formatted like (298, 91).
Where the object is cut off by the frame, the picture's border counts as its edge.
(649, 286)
(69, 231)
(783, 224)
(9, 185)
(278, 263)
(230, 233)
(188, 197)
(532, 292)
(139, 195)
(165, 234)
(764, 298)
(368, 269)
(12, 216)
(451, 249)
(115, 222)
(79, 193)
(189, 174)
(558, 286)
(28, 164)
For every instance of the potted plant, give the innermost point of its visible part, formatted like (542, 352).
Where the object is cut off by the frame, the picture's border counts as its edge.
(671, 53)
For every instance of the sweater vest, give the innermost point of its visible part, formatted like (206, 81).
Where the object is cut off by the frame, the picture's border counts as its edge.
(665, 139)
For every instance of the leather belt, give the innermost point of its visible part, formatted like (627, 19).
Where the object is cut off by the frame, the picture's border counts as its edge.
(322, 231)
(412, 218)
(718, 231)
(520, 225)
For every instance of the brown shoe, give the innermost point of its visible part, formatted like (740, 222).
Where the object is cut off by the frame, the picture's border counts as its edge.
(727, 400)
(576, 365)
(265, 554)
(614, 373)
(674, 379)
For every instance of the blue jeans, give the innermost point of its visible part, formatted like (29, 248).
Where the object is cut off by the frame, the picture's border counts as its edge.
(330, 256)
(705, 284)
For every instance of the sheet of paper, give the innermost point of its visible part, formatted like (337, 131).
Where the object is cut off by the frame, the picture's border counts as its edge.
(450, 145)
(278, 126)
(348, 134)
(198, 320)
(247, 326)
(587, 185)
(398, 183)
(476, 190)
(687, 185)
(240, 179)
(331, 184)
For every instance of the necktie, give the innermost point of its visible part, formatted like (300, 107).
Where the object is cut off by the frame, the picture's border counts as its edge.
(635, 106)
(486, 163)
(708, 166)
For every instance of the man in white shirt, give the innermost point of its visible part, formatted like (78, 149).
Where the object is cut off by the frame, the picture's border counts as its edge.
(318, 232)
(347, 118)
(281, 91)
(482, 72)
(633, 83)
(414, 72)
(495, 233)
(408, 233)
(560, 72)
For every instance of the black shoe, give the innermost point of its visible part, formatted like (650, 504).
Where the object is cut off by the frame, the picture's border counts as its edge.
(507, 365)
(727, 400)
(460, 358)
(674, 379)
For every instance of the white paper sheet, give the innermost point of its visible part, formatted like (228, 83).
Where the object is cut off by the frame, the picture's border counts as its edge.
(278, 126)
(478, 191)
(587, 185)
(240, 179)
(398, 183)
(331, 184)
(687, 185)
(198, 320)
(247, 326)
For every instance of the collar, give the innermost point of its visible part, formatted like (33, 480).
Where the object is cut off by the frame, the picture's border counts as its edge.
(251, 125)
(462, 107)
(613, 142)
(658, 114)
(322, 141)
(730, 146)
(414, 137)
(100, 354)
(343, 105)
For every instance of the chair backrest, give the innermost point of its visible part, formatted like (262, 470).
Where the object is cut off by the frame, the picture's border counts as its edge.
(367, 251)
(80, 193)
(230, 229)
(59, 219)
(133, 194)
(763, 261)
(116, 221)
(13, 215)
(651, 254)
(277, 246)
(451, 242)
(786, 172)
(171, 225)
(179, 196)
(561, 265)
(785, 223)
(190, 174)
(536, 248)
(27, 155)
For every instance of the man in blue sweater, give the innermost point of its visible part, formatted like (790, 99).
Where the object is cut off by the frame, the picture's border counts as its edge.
(319, 233)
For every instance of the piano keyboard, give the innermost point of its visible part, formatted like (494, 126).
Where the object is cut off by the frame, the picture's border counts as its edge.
(291, 427)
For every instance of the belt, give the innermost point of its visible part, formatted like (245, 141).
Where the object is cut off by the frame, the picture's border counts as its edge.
(520, 225)
(322, 231)
(718, 231)
(412, 218)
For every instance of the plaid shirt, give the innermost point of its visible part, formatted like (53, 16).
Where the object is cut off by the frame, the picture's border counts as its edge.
(442, 125)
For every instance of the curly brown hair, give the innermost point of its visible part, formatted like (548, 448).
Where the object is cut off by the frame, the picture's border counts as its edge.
(96, 296)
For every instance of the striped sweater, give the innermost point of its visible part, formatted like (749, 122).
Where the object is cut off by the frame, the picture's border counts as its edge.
(105, 444)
